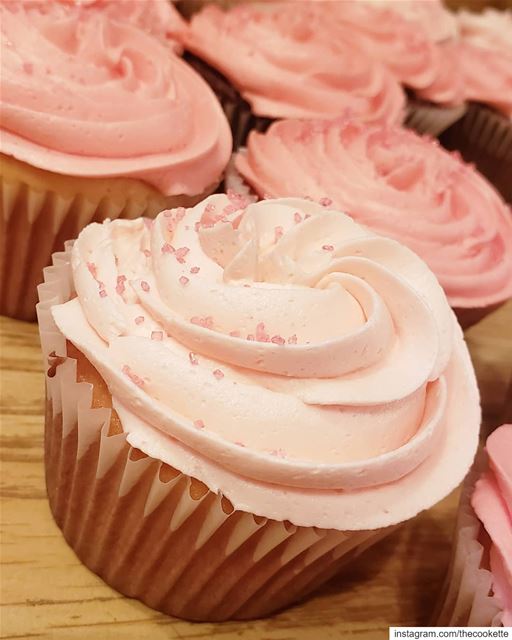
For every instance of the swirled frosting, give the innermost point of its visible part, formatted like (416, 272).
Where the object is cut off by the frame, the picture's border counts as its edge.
(492, 502)
(398, 184)
(84, 94)
(291, 61)
(485, 55)
(279, 352)
(402, 45)
(431, 16)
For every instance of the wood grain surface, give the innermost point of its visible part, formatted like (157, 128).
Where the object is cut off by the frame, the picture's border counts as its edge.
(46, 592)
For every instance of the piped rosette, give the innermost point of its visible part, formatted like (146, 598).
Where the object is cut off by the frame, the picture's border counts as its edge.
(281, 353)
(401, 185)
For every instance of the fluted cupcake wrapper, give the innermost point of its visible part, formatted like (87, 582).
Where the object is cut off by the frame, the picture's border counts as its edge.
(429, 118)
(237, 110)
(466, 599)
(41, 210)
(154, 533)
(484, 137)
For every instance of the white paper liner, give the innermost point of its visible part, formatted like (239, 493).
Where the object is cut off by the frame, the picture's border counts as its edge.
(466, 598)
(154, 533)
(431, 119)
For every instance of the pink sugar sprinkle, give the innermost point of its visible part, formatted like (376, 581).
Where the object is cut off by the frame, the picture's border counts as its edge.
(148, 223)
(193, 358)
(277, 340)
(234, 334)
(251, 337)
(199, 424)
(147, 253)
(278, 233)
(197, 226)
(120, 284)
(167, 248)
(238, 443)
(103, 293)
(280, 453)
(261, 334)
(180, 213)
(157, 335)
(144, 286)
(133, 376)
(327, 247)
(206, 322)
(308, 215)
(229, 209)
(101, 284)
(210, 208)
(218, 374)
(325, 202)
(167, 214)
(92, 269)
(292, 339)
(195, 270)
(181, 254)
(297, 217)
(184, 280)
(139, 319)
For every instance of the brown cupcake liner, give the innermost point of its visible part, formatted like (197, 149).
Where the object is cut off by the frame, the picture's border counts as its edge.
(428, 118)
(41, 210)
(150, 531)
(484, 137)
(237, 110)
(466, 598)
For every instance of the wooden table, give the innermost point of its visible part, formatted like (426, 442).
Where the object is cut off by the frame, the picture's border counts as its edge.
(46, 592)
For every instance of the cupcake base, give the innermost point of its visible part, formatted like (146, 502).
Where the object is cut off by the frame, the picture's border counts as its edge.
(41, 210)
(484, 137)
(237, 110)
(150, 531)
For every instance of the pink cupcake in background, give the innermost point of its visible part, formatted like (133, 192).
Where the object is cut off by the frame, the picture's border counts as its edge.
(484, 135)
(423, 62)
(271, 389)
(99, 119)
(401, 185)
(270, 61)
(478, 589)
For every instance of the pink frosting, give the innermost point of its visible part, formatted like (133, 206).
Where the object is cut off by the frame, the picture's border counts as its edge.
(290, 60)
(84, 94)
(492, 502)
(405, 48)
(431, 16)
(487, 75)
(401, 185)
(279, 352)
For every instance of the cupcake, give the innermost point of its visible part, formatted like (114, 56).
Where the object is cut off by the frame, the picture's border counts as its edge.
(401, 185)
(270, 390)
(99, 119)
(484, 135)
(291, 62)
(420, 57)
(478, 589)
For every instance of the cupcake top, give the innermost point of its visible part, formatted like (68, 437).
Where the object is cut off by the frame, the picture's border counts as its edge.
(402, 45)
(492, 502)
(398, 184)
(485, 56)
(282, 354)
(292, 61)
(83, 94)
